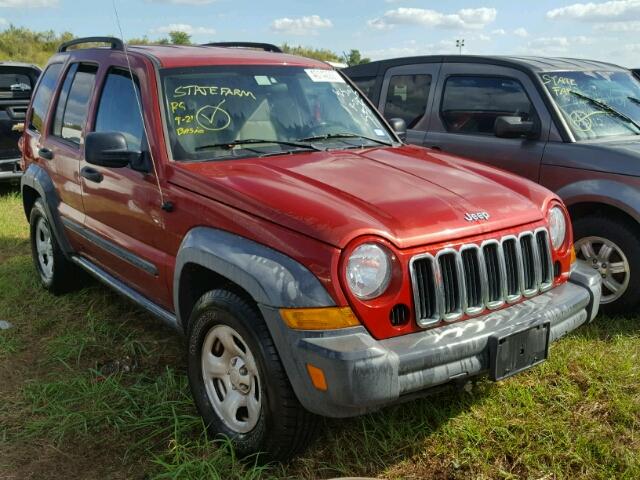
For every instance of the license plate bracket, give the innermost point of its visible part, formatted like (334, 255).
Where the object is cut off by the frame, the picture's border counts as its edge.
(518, 351)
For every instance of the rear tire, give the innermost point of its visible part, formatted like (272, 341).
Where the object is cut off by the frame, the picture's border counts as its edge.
(57, 274)
(610, 245)
(240, 387)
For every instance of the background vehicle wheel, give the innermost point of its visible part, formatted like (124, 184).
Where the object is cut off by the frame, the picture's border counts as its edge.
(57, 274)
(238, 382)
(611, 246)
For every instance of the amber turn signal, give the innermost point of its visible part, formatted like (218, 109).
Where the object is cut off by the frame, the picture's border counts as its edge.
(573, 255)
(330, 318)
(317, 377)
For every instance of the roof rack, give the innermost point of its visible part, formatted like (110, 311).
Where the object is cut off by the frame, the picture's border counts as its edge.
(267, 47)
(116, 43)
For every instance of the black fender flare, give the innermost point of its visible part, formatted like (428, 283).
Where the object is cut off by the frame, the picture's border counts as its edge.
(270, 277)
(39, 180)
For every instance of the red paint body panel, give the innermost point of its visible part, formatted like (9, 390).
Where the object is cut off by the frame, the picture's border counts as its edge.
(314, 207)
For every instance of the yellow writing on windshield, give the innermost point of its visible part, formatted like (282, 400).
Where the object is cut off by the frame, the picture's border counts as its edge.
(211, 90)
(558, 84)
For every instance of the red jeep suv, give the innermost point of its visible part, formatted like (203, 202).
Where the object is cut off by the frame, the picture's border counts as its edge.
(256, 202)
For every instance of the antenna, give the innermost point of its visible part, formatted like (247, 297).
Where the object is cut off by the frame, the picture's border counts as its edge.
(165, 205)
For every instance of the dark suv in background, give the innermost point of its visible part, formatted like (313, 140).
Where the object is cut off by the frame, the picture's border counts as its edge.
(16, 83)
(571, 125)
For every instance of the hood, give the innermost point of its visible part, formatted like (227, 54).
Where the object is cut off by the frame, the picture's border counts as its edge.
(408, 195)
(619, 156)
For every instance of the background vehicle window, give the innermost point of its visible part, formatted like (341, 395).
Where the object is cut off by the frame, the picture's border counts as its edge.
(407, 98)
(73, 104)
(118, 109)
(365, 84)
(43, 94)
(472, 104)
(15, 85)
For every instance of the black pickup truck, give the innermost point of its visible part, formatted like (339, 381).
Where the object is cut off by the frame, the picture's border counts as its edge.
(16, 84)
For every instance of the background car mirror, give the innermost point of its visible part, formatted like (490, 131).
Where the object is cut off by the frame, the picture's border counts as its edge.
(399, 126)
(514, 127)
(109, 149)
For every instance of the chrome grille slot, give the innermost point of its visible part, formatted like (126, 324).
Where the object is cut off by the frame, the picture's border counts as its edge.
(495, 281)
(472, 277)
(424, 290)
(475, 278)
(450, 283)
(512, 267)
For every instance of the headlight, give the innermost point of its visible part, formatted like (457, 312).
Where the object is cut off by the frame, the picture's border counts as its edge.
(557, 227)
(368, 271)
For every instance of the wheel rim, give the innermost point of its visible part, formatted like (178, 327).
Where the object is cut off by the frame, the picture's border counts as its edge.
(44, 248)
(605, 256)
(231, 378)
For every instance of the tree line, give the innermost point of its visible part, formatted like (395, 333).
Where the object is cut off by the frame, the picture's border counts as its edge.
(24, 45)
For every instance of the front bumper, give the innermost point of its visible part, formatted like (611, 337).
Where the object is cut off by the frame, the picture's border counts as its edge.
(364, 374)
(10, 169)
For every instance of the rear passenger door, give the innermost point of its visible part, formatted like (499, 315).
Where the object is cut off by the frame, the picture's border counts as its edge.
(469, 99)
(407, 93)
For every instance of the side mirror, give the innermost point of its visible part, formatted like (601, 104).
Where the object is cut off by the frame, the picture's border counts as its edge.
(109, 149)
(514, 127)
(399, 126)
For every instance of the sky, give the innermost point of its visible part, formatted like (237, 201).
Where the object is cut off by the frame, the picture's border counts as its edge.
(601, 30)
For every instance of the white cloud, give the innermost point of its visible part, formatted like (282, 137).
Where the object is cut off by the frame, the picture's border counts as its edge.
(631, 26)
(184, 27)
(28, 3)
(183, 2)
(308, 25)
(464, 18)
(597, 12)
(521, 32)
(559, 45)
(499, 31)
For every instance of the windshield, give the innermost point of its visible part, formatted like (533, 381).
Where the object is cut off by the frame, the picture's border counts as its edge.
(211, 111)
(596, 104)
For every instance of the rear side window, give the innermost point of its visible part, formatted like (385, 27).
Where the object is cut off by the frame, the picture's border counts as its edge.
(73, 104)
(472, 104)
(407, 98)
(43, 95)
(118, 109)
(366, 85)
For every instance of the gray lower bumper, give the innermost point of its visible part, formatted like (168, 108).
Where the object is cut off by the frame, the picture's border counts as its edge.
(12, 173)
(364, 374)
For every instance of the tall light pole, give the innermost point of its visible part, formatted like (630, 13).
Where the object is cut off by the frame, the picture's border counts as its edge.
(459, 45)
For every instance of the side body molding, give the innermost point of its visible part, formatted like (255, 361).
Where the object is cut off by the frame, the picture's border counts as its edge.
(36, 178)
(608, 192)
(270, 277)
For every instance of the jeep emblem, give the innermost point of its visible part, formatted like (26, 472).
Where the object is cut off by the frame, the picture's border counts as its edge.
(476, 217)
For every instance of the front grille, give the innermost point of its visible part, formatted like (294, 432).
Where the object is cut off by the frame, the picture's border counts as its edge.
(475, 278)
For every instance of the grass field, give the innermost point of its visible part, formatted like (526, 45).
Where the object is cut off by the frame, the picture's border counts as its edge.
(93, 388)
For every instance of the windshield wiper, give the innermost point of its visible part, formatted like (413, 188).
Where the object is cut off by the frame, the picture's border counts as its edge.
(606, 107)
(330, 136)
(253, 141)
(634, 100)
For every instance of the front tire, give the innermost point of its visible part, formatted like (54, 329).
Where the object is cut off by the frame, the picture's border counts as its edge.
(610, 246)
(56, 273)
(238, 383)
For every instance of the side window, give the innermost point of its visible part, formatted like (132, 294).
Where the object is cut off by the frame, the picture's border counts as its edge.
(73, 103)
(407, 98)
(366, 84)
(42, 97)
(118, 109)
(472, 104)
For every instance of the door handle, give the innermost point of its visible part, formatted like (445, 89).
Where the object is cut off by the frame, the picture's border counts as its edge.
(91, 174)
(45, 153)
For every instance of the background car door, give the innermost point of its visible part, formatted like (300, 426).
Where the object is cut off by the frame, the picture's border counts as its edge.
(407, 93)
(469, 98)
(122, 206)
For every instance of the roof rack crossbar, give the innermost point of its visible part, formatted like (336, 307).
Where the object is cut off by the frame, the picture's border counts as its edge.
(267, 47)
(116, 43)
